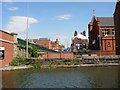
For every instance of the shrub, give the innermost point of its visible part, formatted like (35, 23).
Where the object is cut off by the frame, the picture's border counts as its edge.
(33, 51)
(67, 60)
(17, 61)
(36, 64)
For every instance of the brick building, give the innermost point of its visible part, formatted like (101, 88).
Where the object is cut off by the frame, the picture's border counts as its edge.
(102, 34)
(79, 41)
(54, 45)
(8, 47)
(117, 26)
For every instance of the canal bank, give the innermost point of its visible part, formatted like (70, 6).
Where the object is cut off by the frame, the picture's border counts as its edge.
(7, 68)
(82, 65)
(90, 61)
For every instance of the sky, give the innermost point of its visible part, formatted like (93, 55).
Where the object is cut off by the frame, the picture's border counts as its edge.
(52, 19)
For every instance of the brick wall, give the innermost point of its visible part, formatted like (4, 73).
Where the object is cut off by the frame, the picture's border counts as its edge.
(9, 48)
(103, 53)
(45, 43)
(57, 55)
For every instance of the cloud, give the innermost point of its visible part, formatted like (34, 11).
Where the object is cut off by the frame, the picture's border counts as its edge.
(19, 23)
(7, 0)
(13, 8)
(64, 17)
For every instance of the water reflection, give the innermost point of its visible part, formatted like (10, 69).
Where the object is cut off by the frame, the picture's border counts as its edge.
(84, 77)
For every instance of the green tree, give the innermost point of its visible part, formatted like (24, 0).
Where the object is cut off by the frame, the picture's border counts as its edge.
(33, 51)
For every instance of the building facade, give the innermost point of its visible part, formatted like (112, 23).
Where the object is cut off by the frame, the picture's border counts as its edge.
(117, 27)
(79, 42)
(8, 47)
(102, 34)
(54, 45)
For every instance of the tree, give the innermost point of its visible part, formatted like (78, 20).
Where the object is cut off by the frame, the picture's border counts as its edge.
(33, 51)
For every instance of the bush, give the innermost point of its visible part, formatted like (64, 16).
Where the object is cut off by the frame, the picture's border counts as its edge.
(36, 64)
(19, 61)
(67, 60)
(33, 51)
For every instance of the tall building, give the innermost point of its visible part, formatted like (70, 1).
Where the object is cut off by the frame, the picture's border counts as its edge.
(79, 41)
(102, 34)
(117, 26)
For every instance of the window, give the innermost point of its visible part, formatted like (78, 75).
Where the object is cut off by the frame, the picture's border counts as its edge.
(113, 32)
(2, 53)
(105, 32)
(108, 44)
(77, 46)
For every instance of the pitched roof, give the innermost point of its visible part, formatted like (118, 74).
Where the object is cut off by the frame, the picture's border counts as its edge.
(106, 21)
(80, 36)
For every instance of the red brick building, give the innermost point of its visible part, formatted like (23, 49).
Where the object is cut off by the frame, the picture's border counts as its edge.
(54, 45)
(102, 34)
(7, 47)
(117, 26)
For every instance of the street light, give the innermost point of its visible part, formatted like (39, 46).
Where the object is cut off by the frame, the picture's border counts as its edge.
(27, 31)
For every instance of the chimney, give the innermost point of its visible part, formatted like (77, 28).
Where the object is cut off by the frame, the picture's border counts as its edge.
(56, 44)
(84, 33)
(56, 41)
(75, 33)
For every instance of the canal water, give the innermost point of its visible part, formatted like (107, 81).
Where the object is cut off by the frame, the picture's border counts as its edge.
(83, 77)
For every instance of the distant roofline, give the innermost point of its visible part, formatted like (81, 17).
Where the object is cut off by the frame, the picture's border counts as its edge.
(42, 39)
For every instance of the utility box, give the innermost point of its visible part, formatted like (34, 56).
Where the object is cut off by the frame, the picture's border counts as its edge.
(2, 53)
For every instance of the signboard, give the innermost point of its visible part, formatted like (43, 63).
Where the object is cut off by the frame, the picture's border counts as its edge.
(2, 49)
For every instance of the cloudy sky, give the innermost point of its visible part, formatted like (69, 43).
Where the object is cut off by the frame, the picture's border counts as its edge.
(51, 20)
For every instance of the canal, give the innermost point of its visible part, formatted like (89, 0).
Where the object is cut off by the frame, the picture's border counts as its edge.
(83, 77)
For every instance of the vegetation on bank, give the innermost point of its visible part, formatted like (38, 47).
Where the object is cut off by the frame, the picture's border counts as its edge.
(32, 50)
(17, 61)
(21, 60)
(36, 63)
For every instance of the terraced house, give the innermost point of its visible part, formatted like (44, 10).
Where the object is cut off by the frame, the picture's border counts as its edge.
(102, 35)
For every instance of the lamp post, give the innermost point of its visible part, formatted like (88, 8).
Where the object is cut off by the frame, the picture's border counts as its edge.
(27, 31)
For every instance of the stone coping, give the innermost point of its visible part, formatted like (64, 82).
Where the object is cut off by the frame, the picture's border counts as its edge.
(15, 67)
(57, 66)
